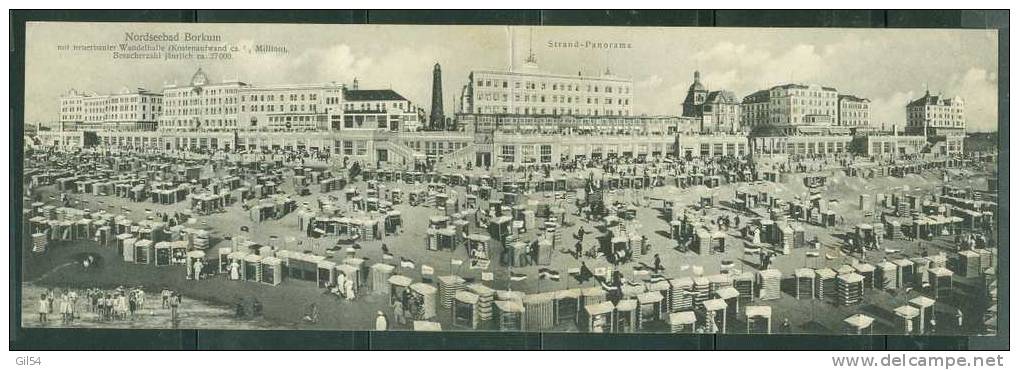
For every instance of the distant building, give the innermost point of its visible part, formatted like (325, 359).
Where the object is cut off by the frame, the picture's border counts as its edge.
(935, 114)
(718, 111)
(854, 111)
(791, 105)
(942, 120)
(288, 107)
(127, 109)
(755, 109)
(201, 105)
(379, 109)
(529, 91)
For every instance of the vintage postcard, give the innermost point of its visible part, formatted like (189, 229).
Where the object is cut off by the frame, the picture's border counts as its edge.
(494, 178)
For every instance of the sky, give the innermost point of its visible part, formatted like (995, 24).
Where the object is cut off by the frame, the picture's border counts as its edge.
(888, 66)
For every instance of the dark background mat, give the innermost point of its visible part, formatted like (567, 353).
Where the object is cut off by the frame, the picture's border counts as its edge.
(100, 339)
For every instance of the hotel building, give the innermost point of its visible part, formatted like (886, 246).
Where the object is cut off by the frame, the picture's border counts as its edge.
(942, 120)
(718, 111)
(854, 111)
(127, 109)
(529, 91)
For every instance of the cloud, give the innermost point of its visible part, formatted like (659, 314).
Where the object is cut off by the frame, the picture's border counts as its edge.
(726, 78)
(979, 90)
(890, 110)
(651, 82)
(745, 69)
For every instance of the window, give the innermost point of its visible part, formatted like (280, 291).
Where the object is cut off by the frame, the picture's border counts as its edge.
(546, 154)
(508, 153)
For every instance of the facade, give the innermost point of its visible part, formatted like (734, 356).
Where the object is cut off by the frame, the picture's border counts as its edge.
(529, 91)
(854, 111)
(378, 109)
(933, 114)
(288, 107)
(127, 109)
(802, 140)
(548, 124)
(942, 120)
(795, 104)
(755, 109)
(201, 104)
(718, 111)
(890, 145)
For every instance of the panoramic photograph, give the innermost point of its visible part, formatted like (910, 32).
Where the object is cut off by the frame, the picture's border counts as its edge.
(510, 179)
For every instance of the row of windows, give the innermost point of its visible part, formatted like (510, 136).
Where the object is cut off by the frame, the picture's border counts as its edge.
(271, 97)
(273, 108)
(353, 147)
(376, 106)
(533, 85)
(804, 92)
(552, 111)
(184, 92)
(201, 101)
(551, 99)
(847, 105)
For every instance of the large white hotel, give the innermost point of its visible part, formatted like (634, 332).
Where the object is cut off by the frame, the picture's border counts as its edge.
(529, 91)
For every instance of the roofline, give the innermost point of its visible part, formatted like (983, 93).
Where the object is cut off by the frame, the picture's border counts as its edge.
(577, 77)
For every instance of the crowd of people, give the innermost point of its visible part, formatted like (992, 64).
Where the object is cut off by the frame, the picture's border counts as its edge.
(102, 304)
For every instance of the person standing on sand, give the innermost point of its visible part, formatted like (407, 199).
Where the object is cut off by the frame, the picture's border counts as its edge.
(398, 312)
(174, 304)
(44, 308)
(66, 311)
(235, 273)
(348, 289)
(165, 295)
(381, 323)
(197, 269)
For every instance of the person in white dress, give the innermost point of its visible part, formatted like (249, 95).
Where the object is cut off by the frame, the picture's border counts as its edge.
(381, 323)
(341, 284)
(235, 273)
(65, 308)
(348, 289)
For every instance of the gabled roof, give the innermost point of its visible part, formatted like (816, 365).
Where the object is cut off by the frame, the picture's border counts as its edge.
(721, 96)
(853, 98)
(371, 95)
(928, 99)
(758, 97)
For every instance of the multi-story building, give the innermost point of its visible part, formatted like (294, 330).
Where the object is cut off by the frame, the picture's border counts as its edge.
(718, 111)
(127, 109)
(529, 91)
(288, 107)
(854, 111)
(378, 109)
(755, 109)
(72, 107)
(942, 120)
(936, 114)
(795, 104)
(791, 104)
(201, 104)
